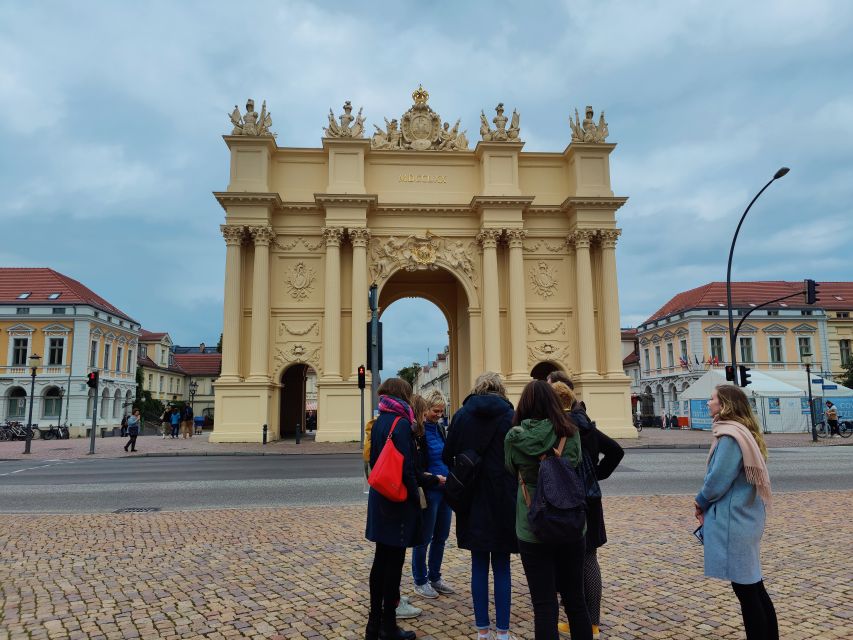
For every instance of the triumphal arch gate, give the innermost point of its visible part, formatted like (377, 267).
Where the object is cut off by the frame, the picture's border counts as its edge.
(516, 248)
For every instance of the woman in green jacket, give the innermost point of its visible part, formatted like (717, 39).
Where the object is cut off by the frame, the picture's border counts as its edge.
(540, 424)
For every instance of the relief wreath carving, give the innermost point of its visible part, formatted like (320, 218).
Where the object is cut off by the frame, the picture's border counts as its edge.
(298, 353)
(419, 252)
(544, 279)
(299, 281)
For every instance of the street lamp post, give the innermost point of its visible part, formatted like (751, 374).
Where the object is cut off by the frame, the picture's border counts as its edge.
(807, 360)
(193, 389)
(776, 176)
(34, 363)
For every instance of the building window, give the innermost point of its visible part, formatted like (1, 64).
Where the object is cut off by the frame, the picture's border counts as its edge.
(55, 352)
(17, 403)
(163, 356)
(684, 350)
(713, 312)
(646, 358)
(58, 311)
(171, 384)
(806, 312)
(143, 351)
(670, 356)
(844, 347)
(776, 350)
(161, 384)
(657, 358)
(23, 311)
(118, 358)
(773, 312)
(19, 351)
(150, 382)
(93, 355)
(129, 359)
(178, 385)
(54, 296)
(24, 295)
(804, 344)
(52, 402)
(106, 357)
(746, 350)
(842, 314)
(717, 349)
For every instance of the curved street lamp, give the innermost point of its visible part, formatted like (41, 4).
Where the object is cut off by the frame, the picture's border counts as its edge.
(781, 172)
(34, 363)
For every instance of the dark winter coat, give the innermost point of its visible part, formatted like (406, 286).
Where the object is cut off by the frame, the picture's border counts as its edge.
(425, 479)
(482, 424)
(606, 454)
(397, 524)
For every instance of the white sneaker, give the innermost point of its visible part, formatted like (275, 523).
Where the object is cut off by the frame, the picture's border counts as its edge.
(426, 591)
(406, 610)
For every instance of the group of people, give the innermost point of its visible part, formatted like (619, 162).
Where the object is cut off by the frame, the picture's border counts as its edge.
(175, 420)
(505, 446)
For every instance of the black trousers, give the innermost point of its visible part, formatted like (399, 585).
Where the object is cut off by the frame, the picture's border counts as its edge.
(759, 615)
(385, 575)
(833, 428)
(552, 569)
(131, 443)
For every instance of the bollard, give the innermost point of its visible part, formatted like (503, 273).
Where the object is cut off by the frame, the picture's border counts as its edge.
(298, 433)
(265, 434)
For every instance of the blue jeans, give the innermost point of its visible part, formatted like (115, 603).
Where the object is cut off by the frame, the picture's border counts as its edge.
(176, 430)
(437, 517)
(480, 588)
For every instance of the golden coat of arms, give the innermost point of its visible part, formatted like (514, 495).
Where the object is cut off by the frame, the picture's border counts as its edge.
(420, 124)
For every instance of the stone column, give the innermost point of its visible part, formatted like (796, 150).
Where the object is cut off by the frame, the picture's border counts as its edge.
(259, 362)
(232, 308)
(584, 305)
(610, 297)
(359, 239)
(517, 309)
(488, 239)
(332, 309)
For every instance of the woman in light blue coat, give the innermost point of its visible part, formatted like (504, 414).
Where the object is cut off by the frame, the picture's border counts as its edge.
(731, 508)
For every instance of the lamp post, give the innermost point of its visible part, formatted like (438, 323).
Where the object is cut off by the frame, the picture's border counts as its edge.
(193, 389)
(807, 360)
(775, 177)
(34, 363)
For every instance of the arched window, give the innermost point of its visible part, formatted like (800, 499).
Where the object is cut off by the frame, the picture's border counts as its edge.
(17, 403)
(90, 403)
(128, 401)
(117, 404)
(105, 404)
(52, 403)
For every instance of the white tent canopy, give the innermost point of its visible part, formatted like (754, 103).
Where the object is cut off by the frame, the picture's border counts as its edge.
(760, 382)
(820, 386)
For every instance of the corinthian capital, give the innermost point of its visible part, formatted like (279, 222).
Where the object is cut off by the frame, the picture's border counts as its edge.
(515, 238)
(262, 236)
(581, 238)
(232, 233)
(359, 237)
(488, 238)
(608, 237)
(333, 236)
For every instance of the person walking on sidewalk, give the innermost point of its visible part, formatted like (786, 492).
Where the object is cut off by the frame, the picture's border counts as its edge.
(731, 508)
(187, 421)
(540, 429)
(166, 421)
(437, 515)
(604, 455)
(392, 526)
(175, 421)
(487, 527)
(133, 424)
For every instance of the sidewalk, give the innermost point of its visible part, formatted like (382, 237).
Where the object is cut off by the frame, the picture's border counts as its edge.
(201, 445)
(302, 573)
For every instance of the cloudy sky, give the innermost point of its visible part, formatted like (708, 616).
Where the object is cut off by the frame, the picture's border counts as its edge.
(113, 112)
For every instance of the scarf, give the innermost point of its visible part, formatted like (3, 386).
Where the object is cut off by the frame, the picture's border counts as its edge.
(392, 404)
(754, 465)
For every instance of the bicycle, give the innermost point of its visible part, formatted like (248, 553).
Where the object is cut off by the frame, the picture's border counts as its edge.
(52, 432)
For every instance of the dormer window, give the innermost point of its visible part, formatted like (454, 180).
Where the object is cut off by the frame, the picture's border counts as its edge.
(24, 295)
(54, 296)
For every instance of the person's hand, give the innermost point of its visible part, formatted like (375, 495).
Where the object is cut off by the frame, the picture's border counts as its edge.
(441, 479)
(697, 511)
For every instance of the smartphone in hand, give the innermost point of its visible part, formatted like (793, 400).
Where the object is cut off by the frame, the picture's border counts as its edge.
(700, 536)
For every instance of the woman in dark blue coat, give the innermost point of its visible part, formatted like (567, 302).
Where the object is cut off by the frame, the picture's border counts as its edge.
(393, 526)
(487, 529)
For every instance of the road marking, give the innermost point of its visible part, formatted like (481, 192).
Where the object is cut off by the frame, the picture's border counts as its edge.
(55, 462)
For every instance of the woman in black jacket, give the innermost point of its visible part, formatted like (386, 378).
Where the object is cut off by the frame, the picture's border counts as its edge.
(605, 454)
(487, 529)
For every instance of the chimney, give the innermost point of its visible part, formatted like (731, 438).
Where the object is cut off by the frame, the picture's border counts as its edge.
(201, 348)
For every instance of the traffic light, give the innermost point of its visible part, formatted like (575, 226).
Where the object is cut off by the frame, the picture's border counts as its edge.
(92, 380)
(361, 377)
(730, 373)
(744, 375)
(811, 291)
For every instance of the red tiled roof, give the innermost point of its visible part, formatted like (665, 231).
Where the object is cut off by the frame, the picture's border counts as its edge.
(40, 282)
(631, 358)
(200, 364)
(149, 336)
(145, 361)
(629, 334)
(744, 294)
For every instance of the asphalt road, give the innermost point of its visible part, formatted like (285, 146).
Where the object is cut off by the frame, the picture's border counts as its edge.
(208, 482)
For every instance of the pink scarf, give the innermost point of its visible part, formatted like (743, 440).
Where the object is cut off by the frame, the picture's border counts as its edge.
(754, 465)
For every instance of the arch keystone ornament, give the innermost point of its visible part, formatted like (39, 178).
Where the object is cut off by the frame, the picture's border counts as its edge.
(516, 249)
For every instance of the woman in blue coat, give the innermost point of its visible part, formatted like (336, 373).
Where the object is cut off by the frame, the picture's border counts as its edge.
(392, 526)
(731, 508)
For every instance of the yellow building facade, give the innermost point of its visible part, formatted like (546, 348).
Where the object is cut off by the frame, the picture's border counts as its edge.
(516, 248)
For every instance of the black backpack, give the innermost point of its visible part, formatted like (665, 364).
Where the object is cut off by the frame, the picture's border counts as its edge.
(557, 513)
(462, 478)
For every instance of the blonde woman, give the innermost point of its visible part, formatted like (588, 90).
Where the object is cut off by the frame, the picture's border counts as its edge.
(731, 508)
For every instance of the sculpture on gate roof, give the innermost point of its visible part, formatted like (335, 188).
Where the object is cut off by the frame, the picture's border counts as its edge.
(588, 130)
(500, 133)
(347, 128)
(251, 124)
(420, 128)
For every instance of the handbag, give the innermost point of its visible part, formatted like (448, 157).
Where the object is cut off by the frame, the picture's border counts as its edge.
(386, 477)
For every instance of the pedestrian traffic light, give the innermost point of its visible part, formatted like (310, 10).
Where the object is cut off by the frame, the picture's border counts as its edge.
(744, 375)
(730, 373)
(361, 377)
(811, 290)
(92, 380)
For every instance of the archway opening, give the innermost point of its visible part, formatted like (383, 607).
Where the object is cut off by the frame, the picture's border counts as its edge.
(542, 369)
(298, 401)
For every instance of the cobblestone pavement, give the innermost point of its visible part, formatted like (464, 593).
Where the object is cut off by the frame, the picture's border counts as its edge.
(302, 573)
(200, 445)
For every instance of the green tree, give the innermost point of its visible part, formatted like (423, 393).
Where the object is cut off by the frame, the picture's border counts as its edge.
(409, 374)
(847, 378)
(219, 344)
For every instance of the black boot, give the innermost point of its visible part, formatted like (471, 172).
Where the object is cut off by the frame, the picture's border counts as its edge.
(371, 632)
(396, 634)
